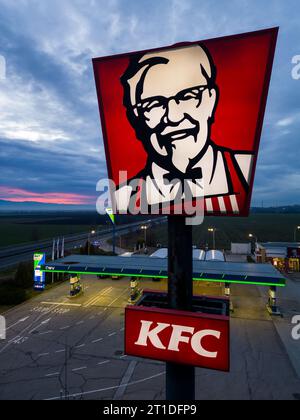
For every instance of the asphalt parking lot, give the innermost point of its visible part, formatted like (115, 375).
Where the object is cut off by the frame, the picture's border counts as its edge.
(59, 348)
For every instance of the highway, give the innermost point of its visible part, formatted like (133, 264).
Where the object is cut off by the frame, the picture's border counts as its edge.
(61, 348)
(12, 255)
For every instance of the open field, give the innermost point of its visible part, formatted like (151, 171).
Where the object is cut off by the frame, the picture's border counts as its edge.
(266, 227)
(12, 233)
(21, 228)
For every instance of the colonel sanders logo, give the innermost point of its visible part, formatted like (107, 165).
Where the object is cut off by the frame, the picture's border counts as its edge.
(171, 98)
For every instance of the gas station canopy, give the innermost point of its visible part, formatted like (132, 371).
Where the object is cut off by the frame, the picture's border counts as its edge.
(145, 267)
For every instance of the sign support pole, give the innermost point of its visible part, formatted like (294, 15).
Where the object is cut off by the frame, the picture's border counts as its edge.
(109, 212)
(180, 379)
(114, 238)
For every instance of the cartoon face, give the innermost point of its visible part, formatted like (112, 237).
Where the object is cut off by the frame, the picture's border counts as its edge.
(164, 145)
(173, 98)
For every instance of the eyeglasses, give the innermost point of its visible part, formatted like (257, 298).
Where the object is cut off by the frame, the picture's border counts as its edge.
(157, 103)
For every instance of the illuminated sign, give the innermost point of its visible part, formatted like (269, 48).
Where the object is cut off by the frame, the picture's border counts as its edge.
(109, 212)
(178, 336)
(39, 276)
(182, 124)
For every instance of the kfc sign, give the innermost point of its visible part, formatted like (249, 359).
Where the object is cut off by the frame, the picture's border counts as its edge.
(176, 336)
(182, 124)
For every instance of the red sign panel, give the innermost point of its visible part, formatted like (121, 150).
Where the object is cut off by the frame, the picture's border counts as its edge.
(183, 123)
(178, 336)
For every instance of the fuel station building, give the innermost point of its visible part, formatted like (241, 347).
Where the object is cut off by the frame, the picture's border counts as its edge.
(285, 256)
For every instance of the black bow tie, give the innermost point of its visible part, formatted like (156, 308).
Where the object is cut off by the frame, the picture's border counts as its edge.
(193, 175)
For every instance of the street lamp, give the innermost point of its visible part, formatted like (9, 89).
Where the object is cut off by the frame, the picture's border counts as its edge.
(145, 228)
(89, 235)
(120, 238)
(295, 233)
(213, 231)
(253, 237)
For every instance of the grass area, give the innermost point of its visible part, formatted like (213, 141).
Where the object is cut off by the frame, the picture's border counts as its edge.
(22, 228)
(8, 273)
(17, 233)
(18, 228)
(266, 227)
(30, 294)
(16, 286)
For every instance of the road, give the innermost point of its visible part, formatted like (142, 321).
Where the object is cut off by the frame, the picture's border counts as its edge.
(60, 348)
(12, 255)
(83, 337)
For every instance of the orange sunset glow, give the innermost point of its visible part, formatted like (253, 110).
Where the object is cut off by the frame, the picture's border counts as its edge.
(17, 195)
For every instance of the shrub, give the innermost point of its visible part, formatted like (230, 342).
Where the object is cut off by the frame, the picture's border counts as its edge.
(24, 275)
(88, 249)
(11, 295)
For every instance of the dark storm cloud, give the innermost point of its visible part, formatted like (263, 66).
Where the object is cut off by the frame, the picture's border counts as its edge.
(29, 62)
(50, 137)
(27, 167)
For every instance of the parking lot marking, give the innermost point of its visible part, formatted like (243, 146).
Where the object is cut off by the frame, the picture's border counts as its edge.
(81, 368)
(20, 320)
(61, 304)
(46, 332)
(28, 327)
(125, 380)
(40, 325)
(96, 391)
(124, 291)
(94, 299)
(79, 347)
(97, 341)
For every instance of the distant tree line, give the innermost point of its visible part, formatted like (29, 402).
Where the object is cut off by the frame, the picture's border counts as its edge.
(295, 209)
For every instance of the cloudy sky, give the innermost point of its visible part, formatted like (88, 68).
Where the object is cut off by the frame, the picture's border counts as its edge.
(51, 146)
